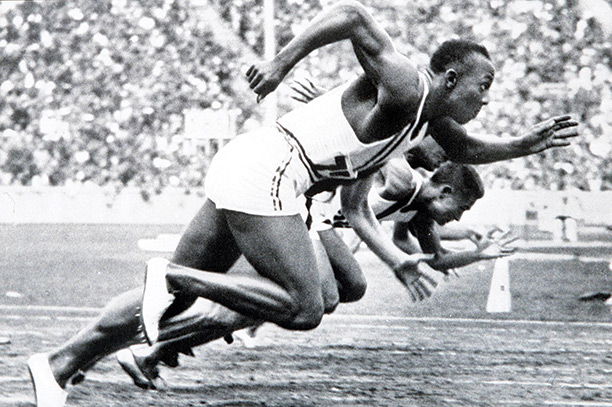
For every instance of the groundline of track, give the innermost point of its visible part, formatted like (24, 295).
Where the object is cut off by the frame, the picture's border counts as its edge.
(339, 318)
(25, 312)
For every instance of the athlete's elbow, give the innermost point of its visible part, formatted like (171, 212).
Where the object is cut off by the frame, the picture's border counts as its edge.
(353, 12)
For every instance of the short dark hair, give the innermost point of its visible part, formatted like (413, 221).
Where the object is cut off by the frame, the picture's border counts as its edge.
(454, 51)
(461, 177)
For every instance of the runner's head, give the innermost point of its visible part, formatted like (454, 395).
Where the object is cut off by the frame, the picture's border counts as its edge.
(464, 71)
(427, 155)
(452, 189)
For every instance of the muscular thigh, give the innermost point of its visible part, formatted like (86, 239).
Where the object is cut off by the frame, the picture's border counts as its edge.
(279, 248)
(329, 287)
(207, 243)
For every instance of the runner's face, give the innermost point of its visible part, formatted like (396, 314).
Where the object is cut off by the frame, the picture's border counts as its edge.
(449, 206)
(471, 90)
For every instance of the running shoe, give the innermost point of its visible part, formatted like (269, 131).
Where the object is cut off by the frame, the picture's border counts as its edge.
(47, 391)
(155, 298)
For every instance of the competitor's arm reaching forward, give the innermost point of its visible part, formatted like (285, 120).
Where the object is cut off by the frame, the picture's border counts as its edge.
(358, 212)
(429, 241)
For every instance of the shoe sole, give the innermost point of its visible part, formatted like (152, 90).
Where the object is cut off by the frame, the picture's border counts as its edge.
(142, 322)
(33, 380)
(33, 384)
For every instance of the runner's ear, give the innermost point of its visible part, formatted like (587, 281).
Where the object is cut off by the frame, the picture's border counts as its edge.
(446, 190)
(450, 79)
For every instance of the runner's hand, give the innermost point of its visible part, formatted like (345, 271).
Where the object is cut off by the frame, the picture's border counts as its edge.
(421, 288)
(264, 78)
(554, 132)
(407, 272)
(495, 247)
(304, 90)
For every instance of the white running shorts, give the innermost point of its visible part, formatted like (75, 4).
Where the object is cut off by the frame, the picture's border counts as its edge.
(258, 173)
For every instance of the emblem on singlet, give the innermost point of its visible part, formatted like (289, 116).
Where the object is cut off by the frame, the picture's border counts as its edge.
(341, 169)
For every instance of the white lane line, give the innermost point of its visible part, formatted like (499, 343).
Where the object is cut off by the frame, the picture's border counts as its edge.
(551, 383)
(371, 318)
(12, 401)
(542, 257)
(46, 317)
(49, 308)
(332, 317)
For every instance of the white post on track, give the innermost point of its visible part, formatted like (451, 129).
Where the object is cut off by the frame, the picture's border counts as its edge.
(500, 299)
(270, 102)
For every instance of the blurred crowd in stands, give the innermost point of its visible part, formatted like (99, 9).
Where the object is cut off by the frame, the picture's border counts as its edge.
(95, 91)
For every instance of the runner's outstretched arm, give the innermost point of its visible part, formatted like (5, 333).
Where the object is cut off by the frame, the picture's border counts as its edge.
(429, 240)
(481, 149)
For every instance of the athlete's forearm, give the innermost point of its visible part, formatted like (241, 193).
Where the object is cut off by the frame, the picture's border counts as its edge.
(443, 259)
(358, 212)
(450, 260)
(483, 149)
(475, 149)
(457, 233)
(345, 20)
(407, 245)
(371, 232)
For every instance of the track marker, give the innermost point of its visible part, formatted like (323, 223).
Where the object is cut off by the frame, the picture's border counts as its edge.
(500, 299)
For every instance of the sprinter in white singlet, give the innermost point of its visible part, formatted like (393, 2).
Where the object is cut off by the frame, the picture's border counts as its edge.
(388, 100)
(399, 194)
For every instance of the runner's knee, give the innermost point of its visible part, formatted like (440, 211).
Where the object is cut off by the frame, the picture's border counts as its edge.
(356, 290)
(354, 287)
(307, 312)
(331, 297)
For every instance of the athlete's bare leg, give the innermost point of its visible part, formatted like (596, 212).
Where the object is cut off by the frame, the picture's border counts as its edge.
(116, 327)
(119, 325)
(203, 329)
(287, 289)
(341, 279)
(348, 276)
(208, 244)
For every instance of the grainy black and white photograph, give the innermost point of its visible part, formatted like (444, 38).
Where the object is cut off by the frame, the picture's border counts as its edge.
(305, 203)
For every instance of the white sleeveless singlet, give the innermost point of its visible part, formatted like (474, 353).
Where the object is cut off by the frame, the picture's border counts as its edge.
(384, 209)
(329, 148)
(262, 172)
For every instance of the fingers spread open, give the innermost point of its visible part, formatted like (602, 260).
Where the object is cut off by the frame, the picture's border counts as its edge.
(566, 132)
(420, 292)
(493, 231)
(429, 279)
(254, 81)
(565, 124)
(562, 118)
(301, 95)
(508, 240)
(559, 143)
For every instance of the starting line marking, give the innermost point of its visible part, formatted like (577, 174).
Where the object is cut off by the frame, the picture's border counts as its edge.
(333, 317)
(106, 379)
